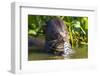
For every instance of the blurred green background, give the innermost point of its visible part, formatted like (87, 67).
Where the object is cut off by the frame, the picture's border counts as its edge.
(77, 29)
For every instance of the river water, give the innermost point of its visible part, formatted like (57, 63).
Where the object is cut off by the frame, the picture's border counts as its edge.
(80, 53)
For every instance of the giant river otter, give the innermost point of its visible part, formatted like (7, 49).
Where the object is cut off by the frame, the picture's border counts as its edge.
(57, 38)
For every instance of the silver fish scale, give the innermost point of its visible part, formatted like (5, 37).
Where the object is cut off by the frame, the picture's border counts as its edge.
(67, 48)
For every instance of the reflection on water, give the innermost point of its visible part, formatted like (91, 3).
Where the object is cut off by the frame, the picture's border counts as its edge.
(80, 53)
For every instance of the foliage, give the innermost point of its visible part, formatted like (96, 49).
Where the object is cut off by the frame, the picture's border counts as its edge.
(77, 28)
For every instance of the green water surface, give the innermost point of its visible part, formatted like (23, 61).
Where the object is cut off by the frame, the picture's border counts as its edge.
(80, 53)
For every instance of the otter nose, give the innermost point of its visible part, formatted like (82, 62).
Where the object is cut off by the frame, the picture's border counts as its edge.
(64, 35)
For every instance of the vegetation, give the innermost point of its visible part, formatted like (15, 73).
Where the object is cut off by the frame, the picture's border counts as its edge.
(77, 28)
